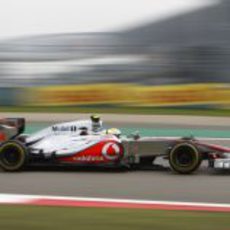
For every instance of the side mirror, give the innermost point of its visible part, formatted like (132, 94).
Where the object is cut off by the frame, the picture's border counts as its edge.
(135, 135)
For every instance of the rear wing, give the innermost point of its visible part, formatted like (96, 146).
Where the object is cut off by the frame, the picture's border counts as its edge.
(11, 127)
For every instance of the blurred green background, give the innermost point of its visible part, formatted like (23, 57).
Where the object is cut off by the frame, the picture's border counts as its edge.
(27, 217)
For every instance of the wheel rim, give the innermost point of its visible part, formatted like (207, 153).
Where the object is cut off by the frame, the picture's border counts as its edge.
(184, 157)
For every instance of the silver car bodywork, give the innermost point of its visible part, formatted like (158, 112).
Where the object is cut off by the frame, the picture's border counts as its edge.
(65, 138)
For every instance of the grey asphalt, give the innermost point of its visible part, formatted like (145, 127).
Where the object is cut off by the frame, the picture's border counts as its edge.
(205, 185)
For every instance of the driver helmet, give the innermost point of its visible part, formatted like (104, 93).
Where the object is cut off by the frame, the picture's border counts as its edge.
(114, 131)
(96, 122)
(95, 118)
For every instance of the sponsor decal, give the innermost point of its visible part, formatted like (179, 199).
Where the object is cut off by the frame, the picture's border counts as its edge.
(64, 128)
(88, 158)
(111, 151)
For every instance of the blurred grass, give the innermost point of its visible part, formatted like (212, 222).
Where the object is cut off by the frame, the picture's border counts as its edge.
(121, 110)
(31, 217)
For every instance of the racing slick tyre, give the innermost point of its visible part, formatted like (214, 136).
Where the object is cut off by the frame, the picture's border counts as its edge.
(13, 156)
(184, 158)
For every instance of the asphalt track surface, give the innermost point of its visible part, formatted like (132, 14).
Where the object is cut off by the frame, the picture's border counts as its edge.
(156, 184)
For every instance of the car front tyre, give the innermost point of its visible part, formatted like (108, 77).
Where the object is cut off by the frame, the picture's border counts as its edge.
(184, 158)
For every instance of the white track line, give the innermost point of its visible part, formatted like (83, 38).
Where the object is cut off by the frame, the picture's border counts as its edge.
(60, 200)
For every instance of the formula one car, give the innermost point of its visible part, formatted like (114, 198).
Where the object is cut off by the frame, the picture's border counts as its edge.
(68, 144)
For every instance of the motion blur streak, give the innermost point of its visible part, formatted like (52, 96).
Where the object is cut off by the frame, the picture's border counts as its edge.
(110, 203)
(177, 57)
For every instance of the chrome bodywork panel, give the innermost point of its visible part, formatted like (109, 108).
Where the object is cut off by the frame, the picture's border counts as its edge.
(65, 139)
(147, 146)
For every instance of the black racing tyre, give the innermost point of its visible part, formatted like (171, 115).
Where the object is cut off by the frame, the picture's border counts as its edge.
(13, 156)
(184, 158)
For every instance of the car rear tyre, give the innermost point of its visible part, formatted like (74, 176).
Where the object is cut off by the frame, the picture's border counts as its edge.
(13, 156)
(184, 158)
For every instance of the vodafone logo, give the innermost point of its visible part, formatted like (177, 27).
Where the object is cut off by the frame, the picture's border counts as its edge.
(111, 151)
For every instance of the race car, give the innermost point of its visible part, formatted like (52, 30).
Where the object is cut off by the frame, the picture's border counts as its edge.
(76, 144)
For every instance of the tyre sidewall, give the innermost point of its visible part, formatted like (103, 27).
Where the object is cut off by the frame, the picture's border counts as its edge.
(183, 169)
(22, 152)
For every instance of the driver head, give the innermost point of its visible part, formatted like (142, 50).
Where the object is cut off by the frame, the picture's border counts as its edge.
(114, 131)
